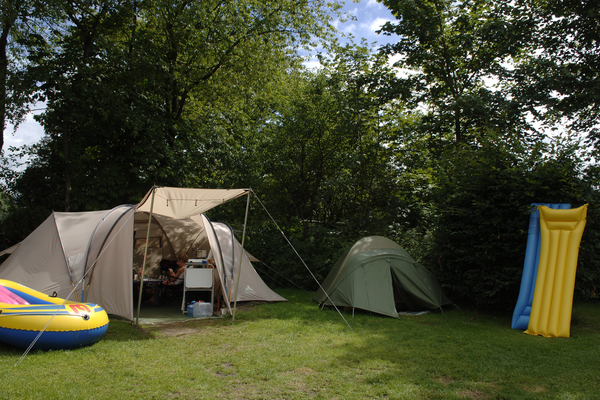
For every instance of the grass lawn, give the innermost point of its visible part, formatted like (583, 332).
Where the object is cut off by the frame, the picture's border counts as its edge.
(294, 350)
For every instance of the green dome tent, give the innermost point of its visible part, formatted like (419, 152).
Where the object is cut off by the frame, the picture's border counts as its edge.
(378, 275)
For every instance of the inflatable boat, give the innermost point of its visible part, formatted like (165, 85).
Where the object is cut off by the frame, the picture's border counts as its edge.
(25, 312)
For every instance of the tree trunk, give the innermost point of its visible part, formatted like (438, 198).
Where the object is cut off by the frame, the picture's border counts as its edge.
(6, 25)
(65, 142)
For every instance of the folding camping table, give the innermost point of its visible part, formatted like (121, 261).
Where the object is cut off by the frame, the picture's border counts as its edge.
(198, 279)
(155, 284)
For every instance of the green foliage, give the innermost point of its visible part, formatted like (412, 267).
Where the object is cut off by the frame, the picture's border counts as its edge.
(293, 264)
(137, 94)
(556, 77)
(22, 25)
(452, 50)
(16, 221)
(441, 156)
(482, 196)
(324, 163)
(475, 195)
(326, 155)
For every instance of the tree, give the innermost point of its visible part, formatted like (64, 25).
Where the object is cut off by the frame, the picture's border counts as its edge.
(367, 116)
(79, 87)
(136, 88)
(468, 65)
(452, 52)
(329, 138)
(21, 28)
(559, 74)
(326, 161)
(483, 198)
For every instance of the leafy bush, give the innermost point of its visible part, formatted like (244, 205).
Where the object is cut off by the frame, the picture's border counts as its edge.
(483, 202)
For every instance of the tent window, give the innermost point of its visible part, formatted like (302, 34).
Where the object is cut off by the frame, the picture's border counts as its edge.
(76, 260)
(153, 243)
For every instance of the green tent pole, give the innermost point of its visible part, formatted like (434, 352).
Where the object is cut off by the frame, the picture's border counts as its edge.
(137, 320)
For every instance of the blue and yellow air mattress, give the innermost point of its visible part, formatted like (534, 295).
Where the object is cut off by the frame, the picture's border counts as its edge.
(520, 319)
(561, 232)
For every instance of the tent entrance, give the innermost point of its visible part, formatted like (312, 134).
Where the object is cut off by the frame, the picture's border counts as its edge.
(402, 300)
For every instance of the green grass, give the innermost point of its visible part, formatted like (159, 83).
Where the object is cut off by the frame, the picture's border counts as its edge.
(296, 351)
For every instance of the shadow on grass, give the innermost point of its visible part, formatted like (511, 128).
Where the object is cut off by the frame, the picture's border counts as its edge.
(119, 330)
(448, 327)
(8, 350)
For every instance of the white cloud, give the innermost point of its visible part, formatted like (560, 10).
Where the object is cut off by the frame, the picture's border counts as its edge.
(369, 17)
(28, 132)
(312, 64)
(336, 24)
(377, 23)
(350, 28)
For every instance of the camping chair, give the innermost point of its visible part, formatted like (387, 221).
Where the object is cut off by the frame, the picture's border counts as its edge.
(198, 279)
(170, 292)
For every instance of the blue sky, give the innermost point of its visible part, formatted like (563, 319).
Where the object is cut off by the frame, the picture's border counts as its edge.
(370, 15)
(29, 132)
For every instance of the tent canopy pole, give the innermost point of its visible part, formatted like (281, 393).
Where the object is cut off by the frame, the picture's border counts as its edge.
(137, 320)
(237, 284)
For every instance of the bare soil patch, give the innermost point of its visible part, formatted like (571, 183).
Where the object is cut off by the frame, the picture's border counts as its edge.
(182, 328)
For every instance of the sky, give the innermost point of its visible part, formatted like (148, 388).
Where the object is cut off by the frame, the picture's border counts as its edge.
(370, 16)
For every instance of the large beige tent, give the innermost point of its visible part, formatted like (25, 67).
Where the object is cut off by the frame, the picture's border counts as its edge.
(251, 286)
(90, 256)
(56, 255)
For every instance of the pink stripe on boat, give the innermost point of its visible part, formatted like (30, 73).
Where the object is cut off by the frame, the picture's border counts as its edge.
(8, 297)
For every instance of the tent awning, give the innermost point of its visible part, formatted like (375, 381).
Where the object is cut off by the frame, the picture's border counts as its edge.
(185, 202)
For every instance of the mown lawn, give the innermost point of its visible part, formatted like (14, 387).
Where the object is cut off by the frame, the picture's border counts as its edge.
(294, 350)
